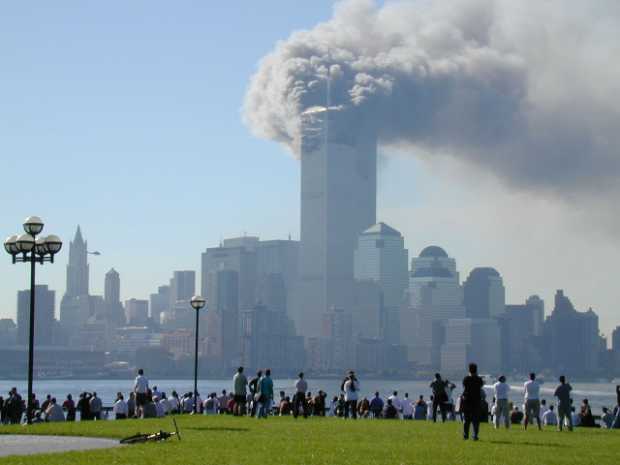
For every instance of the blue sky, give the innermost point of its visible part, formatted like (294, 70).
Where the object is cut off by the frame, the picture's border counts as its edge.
(125, 118)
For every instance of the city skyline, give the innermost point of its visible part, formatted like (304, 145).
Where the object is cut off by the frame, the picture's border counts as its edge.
(160, 216)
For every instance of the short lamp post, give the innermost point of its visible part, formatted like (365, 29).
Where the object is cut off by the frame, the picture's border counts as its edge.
(27, 248)
(197, 303)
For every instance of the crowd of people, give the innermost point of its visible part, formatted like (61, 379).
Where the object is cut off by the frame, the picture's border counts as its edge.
(255, 397)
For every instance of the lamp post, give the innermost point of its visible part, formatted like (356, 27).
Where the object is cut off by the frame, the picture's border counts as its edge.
(197, 303)
(26, 248)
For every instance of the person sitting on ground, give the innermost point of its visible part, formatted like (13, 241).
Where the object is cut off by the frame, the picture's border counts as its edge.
(309, 402)
(223, 403)
(341, 406)
(543, 408)
(46, 403)
(390, 411)
(149, 410)
(420, 410)
(285, 406)
(516, 416)
(231, 403)
(159, 407)
(69, 406)
(575, 417)
(211, 404)
(120, 408)
(165, 403)
(587, 419)
(318, 404)
(549, 418)
(607, 419)
(54, 411)
(376, 406)
(364, 408)
(407, 407)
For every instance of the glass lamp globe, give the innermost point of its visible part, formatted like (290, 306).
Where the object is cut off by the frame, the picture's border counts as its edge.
(198, 302)
(33, 225)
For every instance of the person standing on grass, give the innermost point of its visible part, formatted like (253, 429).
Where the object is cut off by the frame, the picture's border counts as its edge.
(299, 400)
(141, 388)
(351, 388)
(532, 401)
(254, 386)
(265, 394)
(240, 384)
(69, 406)
(472, 401)
(501, 389)
(95, 407)
(562, 392)
(440, 397)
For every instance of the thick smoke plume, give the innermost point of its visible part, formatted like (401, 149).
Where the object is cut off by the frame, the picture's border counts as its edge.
(527, 89)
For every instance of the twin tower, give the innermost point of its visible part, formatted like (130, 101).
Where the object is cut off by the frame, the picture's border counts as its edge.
(338, 202)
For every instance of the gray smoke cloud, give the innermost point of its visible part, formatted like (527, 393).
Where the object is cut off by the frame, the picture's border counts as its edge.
(529, 90)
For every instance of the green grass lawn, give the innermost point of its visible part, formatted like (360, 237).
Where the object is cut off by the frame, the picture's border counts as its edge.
(228, 440)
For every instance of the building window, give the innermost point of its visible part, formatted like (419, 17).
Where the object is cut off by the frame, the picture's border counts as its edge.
(379, 243)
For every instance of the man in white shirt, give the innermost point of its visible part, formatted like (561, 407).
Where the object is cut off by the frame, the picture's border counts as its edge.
(54, 411)
(299, 399)
(159, 407)
(140, 387)
(532, 401)
(407, 407)
(501, 390)
(351, 388)
(173, 401)
(549, 418)
(120, 409)
(396, 403)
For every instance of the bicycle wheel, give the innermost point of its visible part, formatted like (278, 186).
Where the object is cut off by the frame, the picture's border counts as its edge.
(137, 438)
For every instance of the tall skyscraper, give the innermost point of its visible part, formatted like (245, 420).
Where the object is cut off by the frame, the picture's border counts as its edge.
(520, 325)
(114, 312)
(182, 286)
(484, 294)
(77, 269)
(573, 339)
(223, 332)
(436, 296)
(380, 256)
(44, 301)
(75, 306)
(338, 202)
(160, 303)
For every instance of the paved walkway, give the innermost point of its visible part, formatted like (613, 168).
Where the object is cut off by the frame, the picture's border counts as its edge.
(22, 444)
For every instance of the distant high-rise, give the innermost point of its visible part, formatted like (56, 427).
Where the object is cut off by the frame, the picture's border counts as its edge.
(381, 257)
(338, 202)
(114, 312)
(520, 325)
(77, 269)
(435, 297)
(160, 303)
(484, 294)
(137, 312)
(182, 286)
(112, 287)
(44, 301)
(223, 316)
(572, 338)
(75, 306)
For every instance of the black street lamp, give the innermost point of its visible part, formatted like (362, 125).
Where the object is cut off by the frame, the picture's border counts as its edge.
(197, 303)
(26, 248)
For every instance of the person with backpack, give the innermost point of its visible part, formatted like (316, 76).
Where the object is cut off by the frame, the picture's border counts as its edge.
(253, 387)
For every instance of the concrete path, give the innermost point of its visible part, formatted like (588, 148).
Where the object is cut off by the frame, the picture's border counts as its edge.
(22, 444)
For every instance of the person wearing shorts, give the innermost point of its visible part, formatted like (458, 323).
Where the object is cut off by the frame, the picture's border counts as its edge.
(532, 401)
(141, 389)
(240, 383)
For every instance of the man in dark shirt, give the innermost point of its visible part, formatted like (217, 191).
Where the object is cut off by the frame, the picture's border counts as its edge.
(562, 392)
(472, 385)
(376, 406)
(390, 411)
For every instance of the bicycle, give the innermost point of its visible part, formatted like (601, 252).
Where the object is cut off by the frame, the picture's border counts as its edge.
(152, 437)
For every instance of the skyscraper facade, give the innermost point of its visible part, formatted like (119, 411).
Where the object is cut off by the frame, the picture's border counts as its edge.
(338, 202)
(44, 301)
(114, 312)
(435, 297)
(77, 269)
(484, 293)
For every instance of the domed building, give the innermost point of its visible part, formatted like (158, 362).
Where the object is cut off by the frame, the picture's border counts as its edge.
(435, 296)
